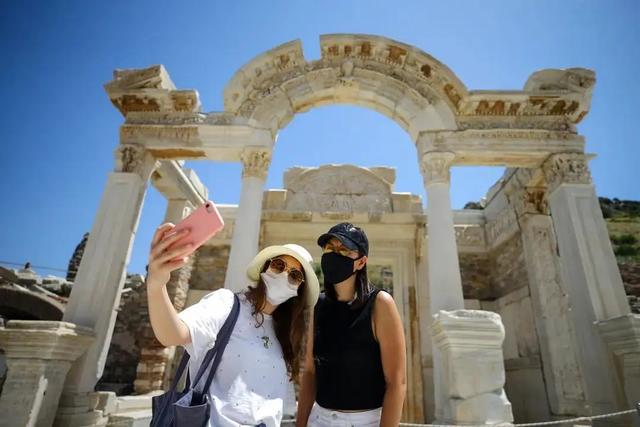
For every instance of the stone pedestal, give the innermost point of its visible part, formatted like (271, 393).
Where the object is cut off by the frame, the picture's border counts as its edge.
(38, 355)
(246, 232)
(470, 347)
(590, 272)
(622, 336)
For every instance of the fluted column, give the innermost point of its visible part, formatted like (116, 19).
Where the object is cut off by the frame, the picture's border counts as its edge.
(590, 271)
(445, 284)
(246, 232)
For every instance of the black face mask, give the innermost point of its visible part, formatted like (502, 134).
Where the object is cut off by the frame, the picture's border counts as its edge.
(336, 268)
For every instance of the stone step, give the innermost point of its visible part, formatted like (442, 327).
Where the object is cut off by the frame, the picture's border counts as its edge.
(131, 419)
(132, 411)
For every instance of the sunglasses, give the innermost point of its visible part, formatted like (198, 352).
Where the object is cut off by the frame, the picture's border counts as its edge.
(278, 266)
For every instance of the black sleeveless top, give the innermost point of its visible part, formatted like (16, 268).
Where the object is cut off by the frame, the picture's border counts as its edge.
(347, 359)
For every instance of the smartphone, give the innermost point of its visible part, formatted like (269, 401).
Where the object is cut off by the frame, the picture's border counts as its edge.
(203, 223)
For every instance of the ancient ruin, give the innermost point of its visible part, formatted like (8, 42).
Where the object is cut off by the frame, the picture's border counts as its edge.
(515, 311)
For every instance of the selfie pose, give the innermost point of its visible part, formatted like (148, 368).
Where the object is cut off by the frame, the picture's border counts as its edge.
(264, 348)
(354, 371)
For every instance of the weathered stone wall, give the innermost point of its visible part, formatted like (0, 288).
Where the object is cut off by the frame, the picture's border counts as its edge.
(475, 270)
(124, 351)
(508, 268)
(524, 378)
(209, 268)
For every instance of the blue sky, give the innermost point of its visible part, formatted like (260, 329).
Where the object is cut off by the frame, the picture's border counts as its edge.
(58, 129)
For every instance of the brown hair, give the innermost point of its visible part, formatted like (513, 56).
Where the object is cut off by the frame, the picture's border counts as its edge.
(289, 321)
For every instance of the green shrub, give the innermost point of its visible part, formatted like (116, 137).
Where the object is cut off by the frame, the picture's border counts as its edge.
(626, 250)
(624, 239)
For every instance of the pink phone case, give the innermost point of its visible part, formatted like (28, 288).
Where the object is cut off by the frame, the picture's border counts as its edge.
(203, 223)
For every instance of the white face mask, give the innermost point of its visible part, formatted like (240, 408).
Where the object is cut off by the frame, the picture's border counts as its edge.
(278, 287)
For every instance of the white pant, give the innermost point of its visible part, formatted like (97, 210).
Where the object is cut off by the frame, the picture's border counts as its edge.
(321, 417)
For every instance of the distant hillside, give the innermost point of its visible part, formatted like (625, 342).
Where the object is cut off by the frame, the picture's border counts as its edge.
(623, 222)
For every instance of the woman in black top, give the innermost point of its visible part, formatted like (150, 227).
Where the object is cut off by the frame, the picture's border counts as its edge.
(355, 363)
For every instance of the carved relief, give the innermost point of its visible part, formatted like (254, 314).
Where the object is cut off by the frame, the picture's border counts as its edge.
(435, 167)
(508, 134)
(567, 168)
(426, 70)
(551, 123)
(337, 188)
(185, 100)
(396, 54)
(137, 133)
(530, 200)
(127, 103)
(534, 106)
(132, 158)
(502, 228)
(453, 95)
(165, 118)
(255, 163)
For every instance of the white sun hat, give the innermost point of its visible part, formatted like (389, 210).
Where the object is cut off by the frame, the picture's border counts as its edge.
(298, 252)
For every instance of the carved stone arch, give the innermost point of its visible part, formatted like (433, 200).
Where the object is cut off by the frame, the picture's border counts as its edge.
(24, 305)
(398, 80)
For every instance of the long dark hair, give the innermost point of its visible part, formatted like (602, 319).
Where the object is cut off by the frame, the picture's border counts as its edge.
(289, 321)
(362, 285)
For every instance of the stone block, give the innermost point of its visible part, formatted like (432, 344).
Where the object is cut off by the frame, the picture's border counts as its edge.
(469, 343)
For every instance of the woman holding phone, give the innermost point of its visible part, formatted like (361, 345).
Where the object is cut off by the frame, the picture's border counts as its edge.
(264, 351)
(354, 372)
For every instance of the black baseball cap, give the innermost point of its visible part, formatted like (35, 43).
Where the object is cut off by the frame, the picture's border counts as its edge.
(349, 235)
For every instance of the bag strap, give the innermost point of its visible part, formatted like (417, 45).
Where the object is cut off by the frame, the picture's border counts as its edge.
(183, 364)
(221, 342)
(223, 345)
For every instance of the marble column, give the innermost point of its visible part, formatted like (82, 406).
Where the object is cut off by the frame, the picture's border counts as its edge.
(96, 293)
(550, 300)
(246, 232)
(590, 272)
(445, 284)
(38, 354)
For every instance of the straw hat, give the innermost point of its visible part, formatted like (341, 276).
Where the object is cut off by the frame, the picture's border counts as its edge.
(298, 252)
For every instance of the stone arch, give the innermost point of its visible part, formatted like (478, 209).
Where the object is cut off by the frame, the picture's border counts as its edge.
(398, 80)
(25, 305)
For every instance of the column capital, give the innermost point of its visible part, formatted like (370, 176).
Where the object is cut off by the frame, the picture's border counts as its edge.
(435, 166)
(566, 168)
(134, 158)
(255, 162)
(529, 201)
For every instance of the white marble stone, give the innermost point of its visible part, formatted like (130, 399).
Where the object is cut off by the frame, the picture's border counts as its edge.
(470, 350)
(38, 356)
(246, 232)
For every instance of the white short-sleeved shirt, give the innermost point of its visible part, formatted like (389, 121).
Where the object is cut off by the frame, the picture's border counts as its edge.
(251, 383)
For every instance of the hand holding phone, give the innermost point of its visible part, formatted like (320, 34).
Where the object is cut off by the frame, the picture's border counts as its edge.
(203, 223)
